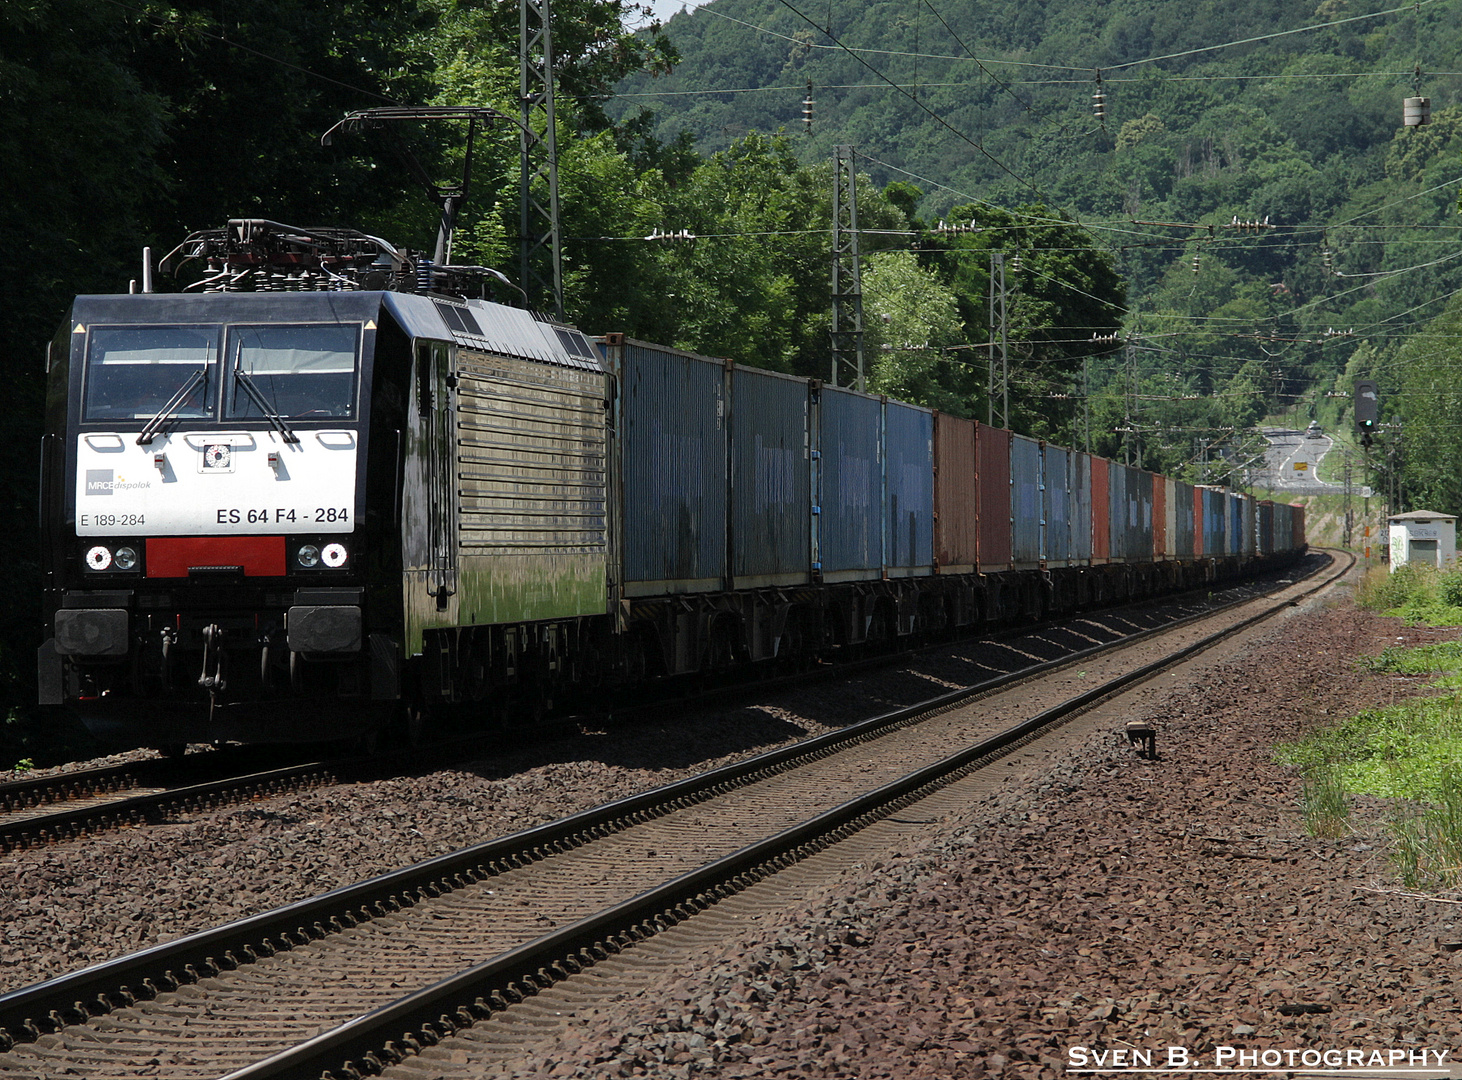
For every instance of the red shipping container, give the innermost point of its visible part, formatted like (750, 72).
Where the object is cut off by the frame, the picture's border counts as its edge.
(1197, 523)
(992, 454)
(956, 524)
(1101, 510)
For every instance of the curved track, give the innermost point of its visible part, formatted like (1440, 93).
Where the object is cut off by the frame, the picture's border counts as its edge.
(497, 923)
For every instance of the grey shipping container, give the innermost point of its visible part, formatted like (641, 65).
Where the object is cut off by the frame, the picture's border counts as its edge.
(908, 485)
(1264, 535)
(1131, 514)
(850, 485)
(771, 480)
(673, 442)
(1056, 470)
(1080, 508)
(1026, 510)
(1180, 538)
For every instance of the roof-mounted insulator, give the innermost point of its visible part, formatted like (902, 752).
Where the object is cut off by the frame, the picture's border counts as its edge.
(1249, 226)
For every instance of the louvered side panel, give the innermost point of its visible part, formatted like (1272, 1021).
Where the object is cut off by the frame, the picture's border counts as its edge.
(531, 488)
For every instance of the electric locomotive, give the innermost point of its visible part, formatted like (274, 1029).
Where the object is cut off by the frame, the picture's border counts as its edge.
(274, 486)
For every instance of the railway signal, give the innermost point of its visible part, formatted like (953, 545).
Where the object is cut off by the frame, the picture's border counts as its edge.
(1367, 408)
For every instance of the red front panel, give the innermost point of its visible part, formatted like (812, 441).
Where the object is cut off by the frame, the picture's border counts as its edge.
(1198, 522)
(174, 556)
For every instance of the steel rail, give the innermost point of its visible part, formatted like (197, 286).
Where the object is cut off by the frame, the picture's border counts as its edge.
(30, 791)
(29, 1012)
(385, 1036)
(139, 809)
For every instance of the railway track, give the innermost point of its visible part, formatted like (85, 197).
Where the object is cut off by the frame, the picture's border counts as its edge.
(35, 812)
(52, 809)
(316, 988)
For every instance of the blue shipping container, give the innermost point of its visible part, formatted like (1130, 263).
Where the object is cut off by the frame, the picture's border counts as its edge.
(1131, 509)
(1027, 514)
(908, 472)
(1057, 473)
(1180, 541)
(771, 488)
(850, 485)
(1215, 523)
(674, 467)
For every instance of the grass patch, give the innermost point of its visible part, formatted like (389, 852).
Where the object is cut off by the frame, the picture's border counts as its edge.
(1406, 751)
(1325, 804)
(1421, 595)
(1428, 840)
(1410, 751)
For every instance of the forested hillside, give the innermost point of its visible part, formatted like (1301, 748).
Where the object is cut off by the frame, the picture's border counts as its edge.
(1216, 114)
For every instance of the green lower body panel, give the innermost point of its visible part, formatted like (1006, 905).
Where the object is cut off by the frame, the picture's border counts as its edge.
(496, 589)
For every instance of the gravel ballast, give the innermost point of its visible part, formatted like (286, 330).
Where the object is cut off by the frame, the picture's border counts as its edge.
(1115, 905)
(1107, 902)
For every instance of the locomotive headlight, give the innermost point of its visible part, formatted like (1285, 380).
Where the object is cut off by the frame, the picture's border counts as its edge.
(125, 558)
(99, 558)
(308, 556)
(334, 556)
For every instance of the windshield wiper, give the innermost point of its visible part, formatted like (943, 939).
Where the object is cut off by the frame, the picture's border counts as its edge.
(164, 414)
(253, 391)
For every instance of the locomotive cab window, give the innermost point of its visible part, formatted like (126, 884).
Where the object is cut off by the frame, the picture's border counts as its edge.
(134, 372)
(299, 372)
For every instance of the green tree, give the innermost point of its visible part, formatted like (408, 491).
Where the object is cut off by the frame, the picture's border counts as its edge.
(1423, 389)
(1062, 296)
(912, 319)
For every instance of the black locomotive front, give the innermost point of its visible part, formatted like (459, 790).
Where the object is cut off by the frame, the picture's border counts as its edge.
(214, 543)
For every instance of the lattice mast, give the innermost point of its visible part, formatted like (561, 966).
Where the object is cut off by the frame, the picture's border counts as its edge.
(847, 278)
(541, 253)
(998, 380)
